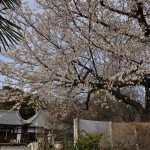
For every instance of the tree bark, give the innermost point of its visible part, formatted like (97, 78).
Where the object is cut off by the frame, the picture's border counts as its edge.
(146, 116)
(144, 113)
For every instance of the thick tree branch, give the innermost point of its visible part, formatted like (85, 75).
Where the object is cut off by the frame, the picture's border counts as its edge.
(116, 10)
(88, 98)
(127, 100)
(141, 18)
(138, 14)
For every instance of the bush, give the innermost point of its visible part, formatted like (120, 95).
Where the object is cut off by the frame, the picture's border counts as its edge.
(89, 141)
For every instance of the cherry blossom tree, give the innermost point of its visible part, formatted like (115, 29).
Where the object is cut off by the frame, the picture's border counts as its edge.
(77, 47)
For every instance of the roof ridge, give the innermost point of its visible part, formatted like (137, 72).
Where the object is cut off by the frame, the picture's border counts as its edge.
(30, 120)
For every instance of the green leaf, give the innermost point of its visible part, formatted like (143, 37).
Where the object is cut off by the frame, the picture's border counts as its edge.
(9, 31)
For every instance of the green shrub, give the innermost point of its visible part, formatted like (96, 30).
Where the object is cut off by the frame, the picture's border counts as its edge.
(89, 141)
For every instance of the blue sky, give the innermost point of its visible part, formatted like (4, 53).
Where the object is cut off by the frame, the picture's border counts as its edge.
(31, 3)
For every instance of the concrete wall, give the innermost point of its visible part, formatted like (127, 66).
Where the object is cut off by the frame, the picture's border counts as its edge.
(103, 127)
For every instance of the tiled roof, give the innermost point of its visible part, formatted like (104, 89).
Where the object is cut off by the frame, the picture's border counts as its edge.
(11, 118)
(42, 119)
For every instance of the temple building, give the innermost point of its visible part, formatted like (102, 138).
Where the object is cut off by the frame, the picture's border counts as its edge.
(39, 126)
(16, 131)
(13, 129)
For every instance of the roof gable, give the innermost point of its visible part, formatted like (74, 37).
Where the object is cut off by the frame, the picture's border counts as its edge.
(11, 118)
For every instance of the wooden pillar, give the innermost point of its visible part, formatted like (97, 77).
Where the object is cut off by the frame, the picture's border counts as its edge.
(6, 134)
(76, 130)
(18, 134)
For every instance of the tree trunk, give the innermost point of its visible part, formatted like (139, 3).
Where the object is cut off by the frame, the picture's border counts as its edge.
(145, 117)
